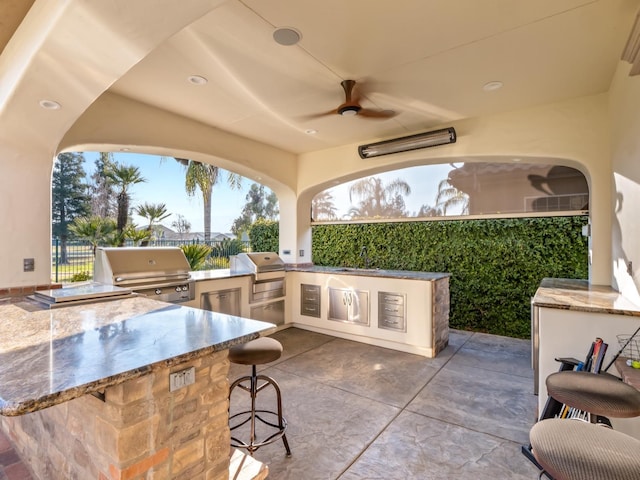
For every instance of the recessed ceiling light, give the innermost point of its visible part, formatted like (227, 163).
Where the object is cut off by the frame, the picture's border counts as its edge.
(517, 159)
(49, 104)
(286, 36)
(311, 131)
(492, 86)
(197, 79)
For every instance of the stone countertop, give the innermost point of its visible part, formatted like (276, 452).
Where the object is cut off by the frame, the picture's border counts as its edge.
(579, 295)
(372, 272)
(200, 275)
(51, 356)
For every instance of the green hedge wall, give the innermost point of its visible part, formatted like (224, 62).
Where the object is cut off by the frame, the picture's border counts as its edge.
(264, 236)
(496, 265)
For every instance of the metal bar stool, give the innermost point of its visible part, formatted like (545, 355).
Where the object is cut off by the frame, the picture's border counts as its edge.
(582, 450)
(257, 352)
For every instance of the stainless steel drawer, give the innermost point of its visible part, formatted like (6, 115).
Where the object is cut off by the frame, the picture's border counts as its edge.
(266, 290)
(310, 309)
(391, 298)
(391, 309)
(391, 322)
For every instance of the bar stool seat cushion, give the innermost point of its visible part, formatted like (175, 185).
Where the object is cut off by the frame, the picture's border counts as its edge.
(577, 450)
(600, 394)
(256, 352)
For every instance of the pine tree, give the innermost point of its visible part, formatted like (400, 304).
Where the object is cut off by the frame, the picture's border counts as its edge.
(69, 198)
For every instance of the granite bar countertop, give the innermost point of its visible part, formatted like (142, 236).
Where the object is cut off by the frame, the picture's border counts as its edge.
(371, 272)
(580, 295)
(51, 356)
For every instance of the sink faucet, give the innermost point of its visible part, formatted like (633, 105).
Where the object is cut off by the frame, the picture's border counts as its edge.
(363, 254)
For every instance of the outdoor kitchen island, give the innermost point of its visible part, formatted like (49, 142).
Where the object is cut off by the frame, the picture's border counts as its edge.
(397, 309)
(85, 389)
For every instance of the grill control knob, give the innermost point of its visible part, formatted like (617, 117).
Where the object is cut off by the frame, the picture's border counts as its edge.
(185, 288)
(158, 291)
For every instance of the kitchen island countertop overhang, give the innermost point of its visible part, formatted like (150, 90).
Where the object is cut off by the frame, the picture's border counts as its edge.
(48, 357)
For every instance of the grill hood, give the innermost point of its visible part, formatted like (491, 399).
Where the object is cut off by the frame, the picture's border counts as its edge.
(263, 265)
(138, 266)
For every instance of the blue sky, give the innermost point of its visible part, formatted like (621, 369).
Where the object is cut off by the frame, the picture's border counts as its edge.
(165, 184)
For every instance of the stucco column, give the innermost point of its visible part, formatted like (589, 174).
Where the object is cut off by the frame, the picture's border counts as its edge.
(295, 229)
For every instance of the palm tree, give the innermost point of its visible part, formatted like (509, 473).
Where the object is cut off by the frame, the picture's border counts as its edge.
(154, 213)
(378, 200)
(322, 207)
(203, 176)
(449, 196)
(123, 177)
(138, 237)
(96, 230)
(429, 211)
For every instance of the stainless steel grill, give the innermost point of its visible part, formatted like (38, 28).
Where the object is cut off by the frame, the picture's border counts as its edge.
(263, 265)
(159, 272)
(267, 292)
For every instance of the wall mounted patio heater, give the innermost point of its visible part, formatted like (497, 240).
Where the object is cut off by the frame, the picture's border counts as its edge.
(412, 142)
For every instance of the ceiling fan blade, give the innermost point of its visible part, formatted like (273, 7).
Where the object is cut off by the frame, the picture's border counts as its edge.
(351, 106)
(365, 112)
(314, 116)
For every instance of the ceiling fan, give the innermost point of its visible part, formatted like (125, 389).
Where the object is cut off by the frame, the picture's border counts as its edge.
(351, 105)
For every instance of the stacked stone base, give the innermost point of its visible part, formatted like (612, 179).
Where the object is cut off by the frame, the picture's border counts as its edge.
(139, 431)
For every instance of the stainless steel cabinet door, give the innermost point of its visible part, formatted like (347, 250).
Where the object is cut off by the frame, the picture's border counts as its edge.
(351, 306)
(222, 301)
(272, 312)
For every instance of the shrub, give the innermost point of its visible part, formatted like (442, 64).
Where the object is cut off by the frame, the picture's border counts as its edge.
(81, 276)
(227, 247)
(197, 254)
(264, 236)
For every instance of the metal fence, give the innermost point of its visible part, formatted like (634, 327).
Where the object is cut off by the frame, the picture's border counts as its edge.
(75, 264)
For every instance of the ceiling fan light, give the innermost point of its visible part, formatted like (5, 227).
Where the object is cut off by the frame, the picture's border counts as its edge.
(349, 110)
(412, 142)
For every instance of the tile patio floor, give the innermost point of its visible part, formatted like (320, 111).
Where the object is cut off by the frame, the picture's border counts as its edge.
(362, 412)
(357, 411)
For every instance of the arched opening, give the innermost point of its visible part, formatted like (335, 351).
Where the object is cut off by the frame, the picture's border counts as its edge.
(163, 201)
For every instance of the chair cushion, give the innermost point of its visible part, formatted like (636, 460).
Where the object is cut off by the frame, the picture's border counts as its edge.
(577, 450)
(256, 352)
(601, 394)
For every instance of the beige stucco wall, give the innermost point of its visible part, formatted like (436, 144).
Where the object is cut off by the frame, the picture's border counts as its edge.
(625, 140)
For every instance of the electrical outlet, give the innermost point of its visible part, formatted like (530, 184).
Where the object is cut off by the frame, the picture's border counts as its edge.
(29, 264)
(182, 378)
(630, 268)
